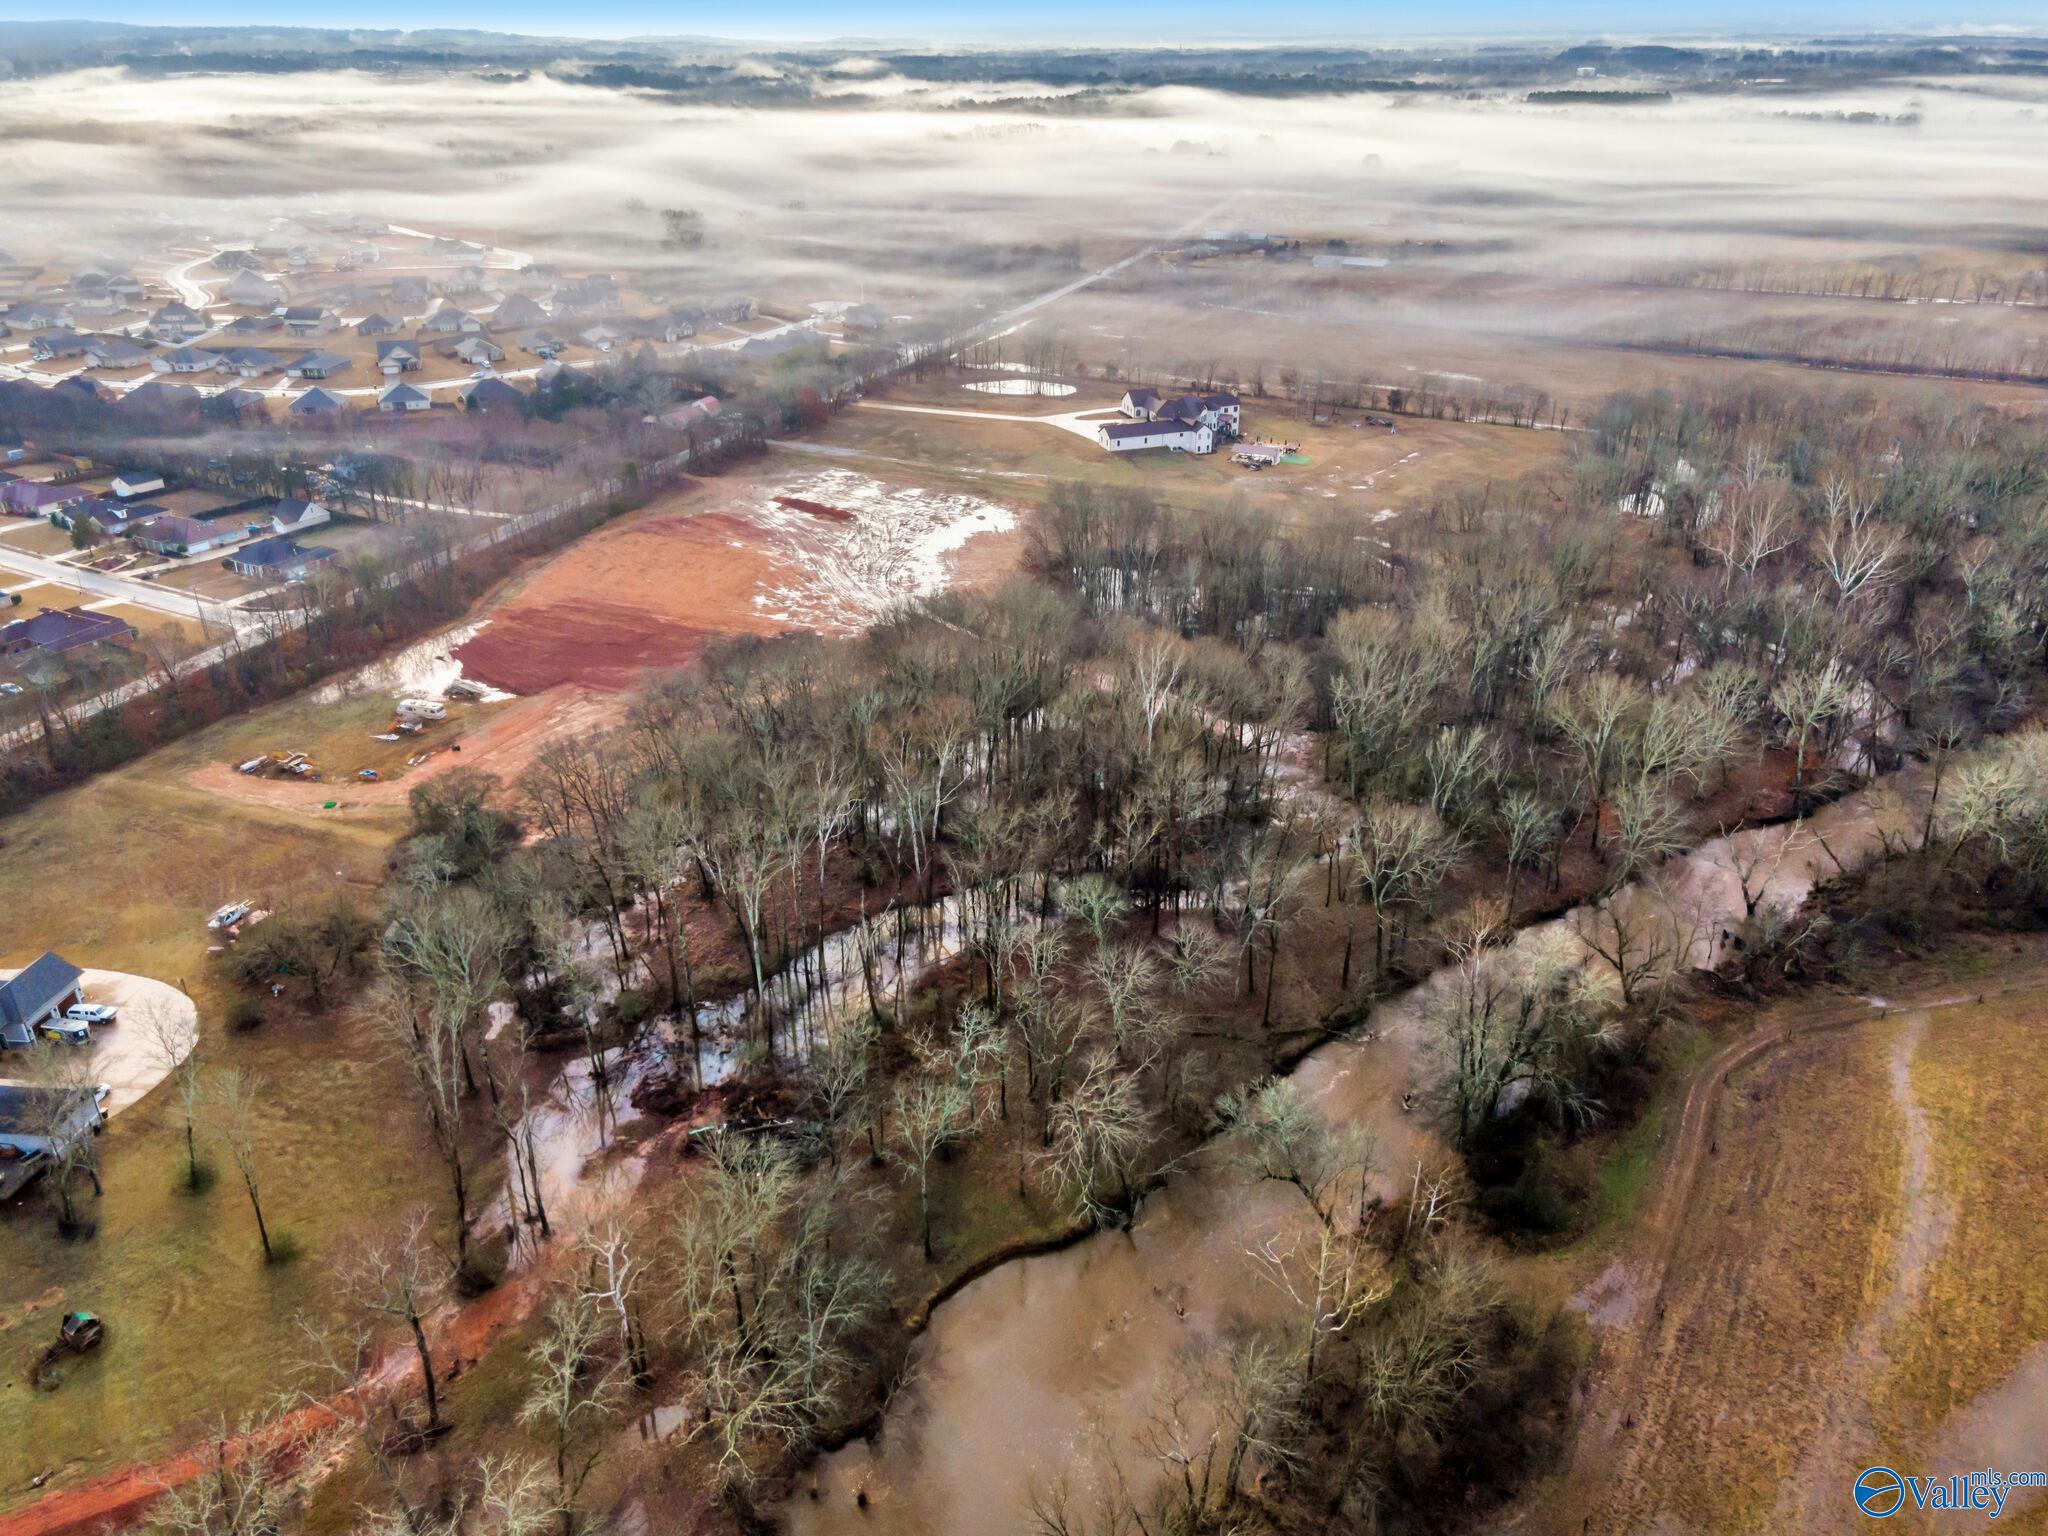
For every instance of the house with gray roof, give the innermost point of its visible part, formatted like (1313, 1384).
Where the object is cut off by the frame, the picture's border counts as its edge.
(317, 365)
(317, 402)
(298, 516)
(177, 322)
(39, 991)
(38, 1126)
(185, 360)
(308, 320)
(278, 559)
(116, 352)
(251, 289)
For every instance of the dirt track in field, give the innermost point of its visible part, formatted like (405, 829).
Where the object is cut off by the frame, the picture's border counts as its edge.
(1636, 1457)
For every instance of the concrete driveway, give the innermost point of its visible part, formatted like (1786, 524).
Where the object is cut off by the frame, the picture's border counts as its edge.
(126, 1054)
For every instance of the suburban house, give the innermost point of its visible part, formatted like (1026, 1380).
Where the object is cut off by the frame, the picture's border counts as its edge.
(317, 365)
(376, 325)
(97, 301)
(491, 394)
(1139, 404)
(308, 320)
(179, 536)
(450, 321)
(156, 395)
(41, 990)
(543, 344)
(55, 631)
(35, 315)
(681, 324)
(116, 352)
(32, 498)
(683, 417)
(251, 289)
(298, 516)
(55, 344)
(518, 310)
(729, 307)
(1180, 436)
(397, 356)
(278, 559)
(230, 405)
(317, 402)
(602, 337)
(137, 482)
(410, 294)
(238, 258)
(38, 1126)
(251, 362)
(597, 294)
(112, 516)
(185, 360)
(251, 325)
(478, 350)
(403, 397)
(177, 322)
(863, 317)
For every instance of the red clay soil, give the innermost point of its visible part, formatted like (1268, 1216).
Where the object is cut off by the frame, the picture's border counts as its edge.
(647, 596)
(814, 508)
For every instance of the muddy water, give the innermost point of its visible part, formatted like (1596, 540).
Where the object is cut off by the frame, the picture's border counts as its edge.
(1029, 1373)
(573, 1127)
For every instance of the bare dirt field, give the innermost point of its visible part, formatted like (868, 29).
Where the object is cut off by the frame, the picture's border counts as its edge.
(792, 546)
(1852, 1277)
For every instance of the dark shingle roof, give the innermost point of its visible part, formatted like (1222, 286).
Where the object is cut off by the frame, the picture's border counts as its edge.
(45, 979)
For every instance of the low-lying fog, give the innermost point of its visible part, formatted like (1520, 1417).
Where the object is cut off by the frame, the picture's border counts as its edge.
(870, 179)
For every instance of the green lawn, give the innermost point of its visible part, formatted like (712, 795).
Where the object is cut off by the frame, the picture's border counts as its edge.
(121, 873)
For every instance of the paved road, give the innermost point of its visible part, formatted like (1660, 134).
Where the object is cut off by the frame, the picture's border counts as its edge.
(142, 594)
(1080, 423)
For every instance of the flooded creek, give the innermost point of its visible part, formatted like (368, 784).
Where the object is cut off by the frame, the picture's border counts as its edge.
(1031, 1372)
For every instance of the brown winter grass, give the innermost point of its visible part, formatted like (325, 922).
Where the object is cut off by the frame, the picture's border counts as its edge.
(121, 873)
(1793, 1225)
(1976, 1076)
(1352, 468)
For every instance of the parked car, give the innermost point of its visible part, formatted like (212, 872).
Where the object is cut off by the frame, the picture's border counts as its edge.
(91, 1013)
(70, 1031)
(10, 689)
(229, 915)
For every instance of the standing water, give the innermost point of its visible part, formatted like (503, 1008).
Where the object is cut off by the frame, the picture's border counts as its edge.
(1029, 1374)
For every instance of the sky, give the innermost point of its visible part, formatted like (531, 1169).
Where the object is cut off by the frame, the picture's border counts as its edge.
(1071, 23)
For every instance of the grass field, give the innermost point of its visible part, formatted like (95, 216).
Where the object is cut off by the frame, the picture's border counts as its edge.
(1351, 469)
(1860, 1282)
(121, 873)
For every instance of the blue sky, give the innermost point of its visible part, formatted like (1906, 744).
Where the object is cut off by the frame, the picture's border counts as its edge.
(1069, 22)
